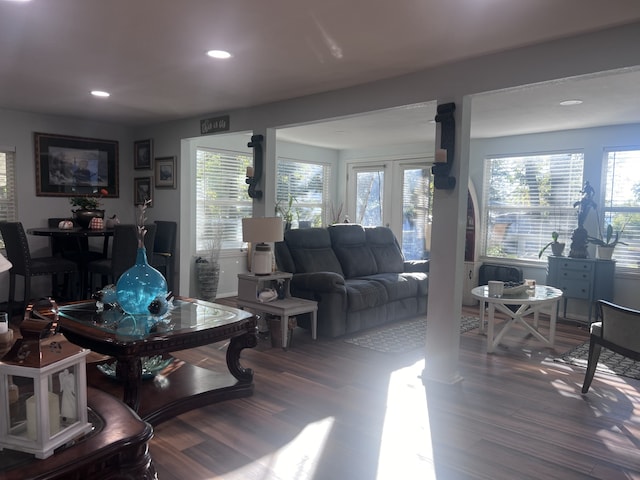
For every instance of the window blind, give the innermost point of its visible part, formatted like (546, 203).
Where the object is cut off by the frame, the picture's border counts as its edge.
(308, 183)
(221, 198)
(621, 207)
(7, 187)
(526, 198)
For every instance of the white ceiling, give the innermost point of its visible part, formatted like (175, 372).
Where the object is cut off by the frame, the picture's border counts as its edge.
(150, 54)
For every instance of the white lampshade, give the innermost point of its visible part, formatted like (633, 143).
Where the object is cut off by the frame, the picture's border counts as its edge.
(267, 229)
(4, 264)
(260, 231)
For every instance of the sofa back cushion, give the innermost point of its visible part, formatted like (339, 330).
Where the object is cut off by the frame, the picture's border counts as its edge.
(350, 245)
(385, 249)
(311, 251)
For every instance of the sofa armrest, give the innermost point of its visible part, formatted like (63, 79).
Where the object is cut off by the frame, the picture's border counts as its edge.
(416, 266)
(321, 282)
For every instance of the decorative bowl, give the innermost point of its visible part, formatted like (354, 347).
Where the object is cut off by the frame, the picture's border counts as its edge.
(515, 289)
(151, 366)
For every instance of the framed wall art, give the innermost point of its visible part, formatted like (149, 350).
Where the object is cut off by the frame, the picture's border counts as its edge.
(69, 166)
(142, 154)
(142, 191)
(165, 171)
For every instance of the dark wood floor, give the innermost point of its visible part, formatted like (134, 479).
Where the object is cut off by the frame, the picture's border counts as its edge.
(331, 410)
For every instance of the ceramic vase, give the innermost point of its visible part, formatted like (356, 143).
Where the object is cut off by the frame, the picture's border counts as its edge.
(604, 253)
(208, 278)
(139, 286)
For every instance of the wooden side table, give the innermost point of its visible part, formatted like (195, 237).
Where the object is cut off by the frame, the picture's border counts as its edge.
(249, 287)
(118, 448)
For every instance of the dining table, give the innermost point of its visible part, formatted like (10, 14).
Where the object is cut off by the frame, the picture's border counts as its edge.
(83, 256)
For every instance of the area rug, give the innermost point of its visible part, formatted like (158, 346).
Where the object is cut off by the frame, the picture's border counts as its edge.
(402, 336)
(609, 363)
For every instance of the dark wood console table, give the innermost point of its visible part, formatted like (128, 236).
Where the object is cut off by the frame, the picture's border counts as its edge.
(117, 448)
(192, 323)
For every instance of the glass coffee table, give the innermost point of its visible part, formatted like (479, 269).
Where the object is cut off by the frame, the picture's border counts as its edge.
(528, 302)
(192, 323)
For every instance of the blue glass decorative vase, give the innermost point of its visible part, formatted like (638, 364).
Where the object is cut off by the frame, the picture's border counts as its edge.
(139, 286)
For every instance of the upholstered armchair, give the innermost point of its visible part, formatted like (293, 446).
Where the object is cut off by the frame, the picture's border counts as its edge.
(618, 330)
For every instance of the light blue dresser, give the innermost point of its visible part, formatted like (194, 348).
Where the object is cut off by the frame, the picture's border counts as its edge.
(582, 279)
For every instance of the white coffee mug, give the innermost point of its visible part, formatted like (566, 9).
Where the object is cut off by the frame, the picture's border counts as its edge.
(496, 289)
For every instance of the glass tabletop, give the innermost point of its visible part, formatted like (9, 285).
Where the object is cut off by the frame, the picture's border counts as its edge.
(190, 315)
(541, 293)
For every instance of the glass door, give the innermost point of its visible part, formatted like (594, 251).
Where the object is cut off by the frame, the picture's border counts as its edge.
(396, 195)
(369, 189)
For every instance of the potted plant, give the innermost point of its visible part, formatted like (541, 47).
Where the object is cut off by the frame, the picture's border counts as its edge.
(88, 207)
(556, 247)
(607, 243)
(286, 211)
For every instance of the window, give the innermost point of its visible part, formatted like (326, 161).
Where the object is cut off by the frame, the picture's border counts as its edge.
(308, 185)
(526, 198)
(621, 205)
(221, 198)
(7, 187)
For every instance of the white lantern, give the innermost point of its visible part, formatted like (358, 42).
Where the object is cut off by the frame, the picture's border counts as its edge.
(43, 389)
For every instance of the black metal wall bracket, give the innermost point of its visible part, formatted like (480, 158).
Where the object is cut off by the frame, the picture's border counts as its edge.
(252, 181)
(441, 171)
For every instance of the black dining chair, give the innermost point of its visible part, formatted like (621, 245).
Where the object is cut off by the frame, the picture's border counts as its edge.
(164, 249)
(19, 254)
(76, 249)
(124, 250)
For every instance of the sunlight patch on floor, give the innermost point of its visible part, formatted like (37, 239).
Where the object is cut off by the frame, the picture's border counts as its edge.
(406, 448)
(299, 458)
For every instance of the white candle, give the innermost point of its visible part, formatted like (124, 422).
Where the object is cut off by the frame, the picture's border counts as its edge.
(54, 416)
(250, 172)
(441, 155)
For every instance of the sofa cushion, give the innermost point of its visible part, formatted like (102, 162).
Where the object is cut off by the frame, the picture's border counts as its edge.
(402, 285)
(354, 255)
(385, 250)
(363, 294)
(311, 251)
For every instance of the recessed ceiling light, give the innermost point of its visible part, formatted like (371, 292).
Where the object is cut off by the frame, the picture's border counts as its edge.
(221, 54)
(568, 103)
(99, 93)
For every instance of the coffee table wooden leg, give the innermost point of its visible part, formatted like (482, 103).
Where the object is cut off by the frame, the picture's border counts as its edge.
(236, 345)
(129, 371)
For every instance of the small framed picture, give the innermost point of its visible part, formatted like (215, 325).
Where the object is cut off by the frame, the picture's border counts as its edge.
(166, 172)
(142, 154)
(142, 190)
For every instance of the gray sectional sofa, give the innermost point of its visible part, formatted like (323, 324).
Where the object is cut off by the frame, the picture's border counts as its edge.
(357, 275)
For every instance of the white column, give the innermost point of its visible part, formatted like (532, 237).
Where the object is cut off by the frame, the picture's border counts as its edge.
(446, 271)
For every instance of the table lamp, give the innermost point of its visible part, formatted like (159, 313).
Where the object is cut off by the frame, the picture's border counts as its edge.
(261, 231)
